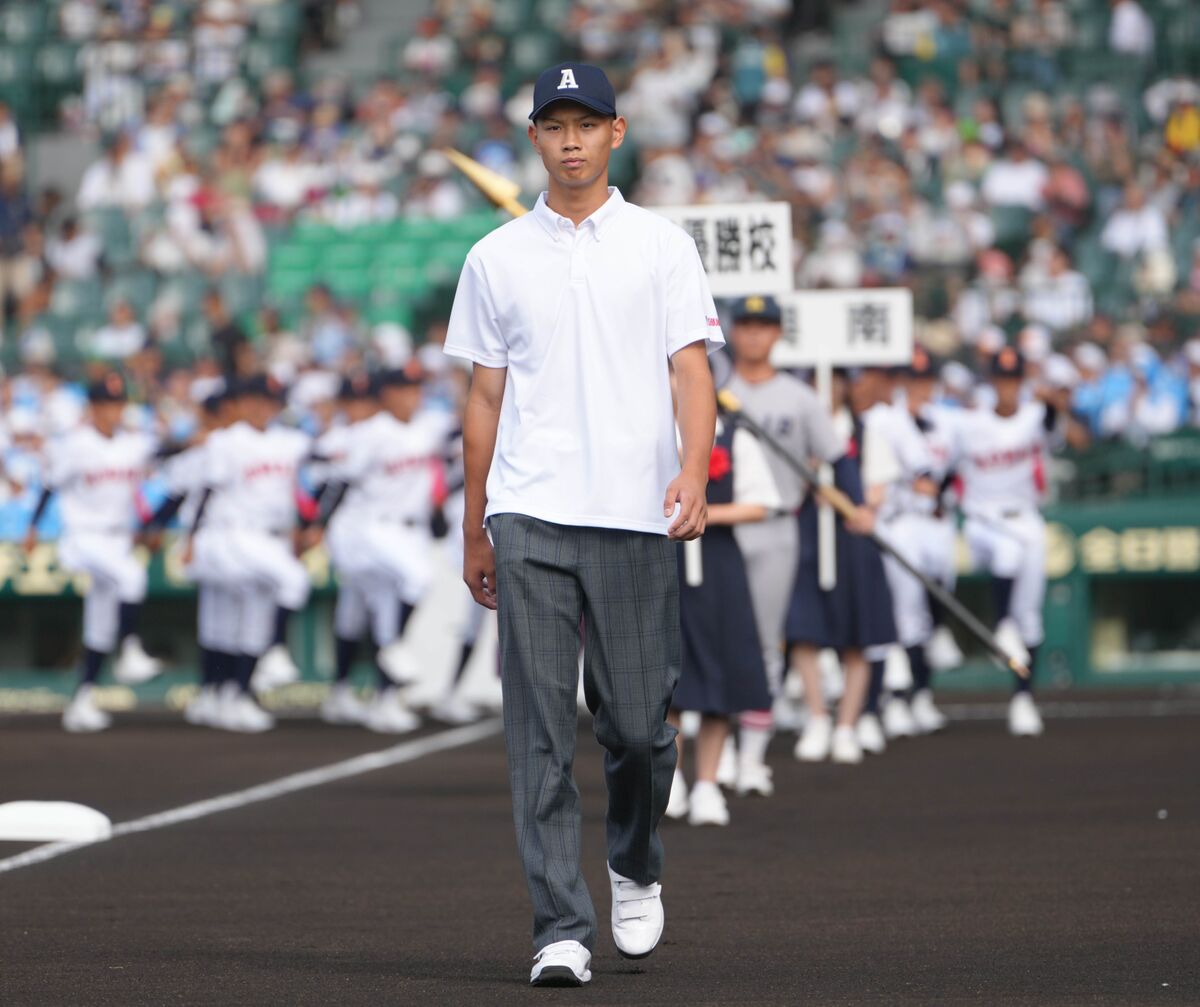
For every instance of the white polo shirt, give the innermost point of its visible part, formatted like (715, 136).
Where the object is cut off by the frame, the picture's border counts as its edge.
(586, 320)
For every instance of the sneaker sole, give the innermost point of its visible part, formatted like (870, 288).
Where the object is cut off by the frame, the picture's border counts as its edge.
(636, 958)
(556, 976)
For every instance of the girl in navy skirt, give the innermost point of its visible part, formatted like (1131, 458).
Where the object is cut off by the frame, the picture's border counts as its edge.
(721, 672)
(857, 613)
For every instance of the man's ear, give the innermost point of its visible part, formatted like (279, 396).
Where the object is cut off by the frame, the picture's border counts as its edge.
(618, 127)
(533, 137)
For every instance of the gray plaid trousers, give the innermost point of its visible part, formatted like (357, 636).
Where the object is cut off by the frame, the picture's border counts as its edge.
(624, 587)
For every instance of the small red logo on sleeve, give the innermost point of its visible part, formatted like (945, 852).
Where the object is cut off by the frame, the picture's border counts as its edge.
(713, 322)
(719, 464)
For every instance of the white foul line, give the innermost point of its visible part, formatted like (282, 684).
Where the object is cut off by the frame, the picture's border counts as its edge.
(407, 751)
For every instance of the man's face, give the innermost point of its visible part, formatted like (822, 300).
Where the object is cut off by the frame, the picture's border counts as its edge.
(107, 416)
(402, 401)
(918, 391)
(1008, 392)
(753, 339)
(575, 143)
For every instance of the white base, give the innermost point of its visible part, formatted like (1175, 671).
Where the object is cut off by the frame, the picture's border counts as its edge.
(52, 822)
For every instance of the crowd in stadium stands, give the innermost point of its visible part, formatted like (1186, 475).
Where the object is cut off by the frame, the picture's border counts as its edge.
(1030, 168)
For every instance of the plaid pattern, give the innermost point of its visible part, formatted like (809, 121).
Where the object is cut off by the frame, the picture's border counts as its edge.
(623, 585)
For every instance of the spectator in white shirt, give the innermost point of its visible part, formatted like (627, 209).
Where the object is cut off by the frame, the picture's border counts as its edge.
(1017, 180)
(1135, 227)
(121, 178)
(1062, 299)
(74, 252)
(1131, 31)
(122, 337)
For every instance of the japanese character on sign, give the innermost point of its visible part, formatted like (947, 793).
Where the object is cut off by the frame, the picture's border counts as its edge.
(762, 245)
(868, 324)
(698, 229)
(729, 245)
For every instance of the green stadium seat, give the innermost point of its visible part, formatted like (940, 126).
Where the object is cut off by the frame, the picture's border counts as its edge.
(279, 20)
(16, 72)
(261, 56)
(186, 290)
(397, 254)
(346, 255)
(58, 75)
(398, 281)
(22, 23)
(77, 299)
(353, 284)
(313, 232)
(242, 292)
(138, 288)
(1012, 225)
(293, 255)
(288, 285)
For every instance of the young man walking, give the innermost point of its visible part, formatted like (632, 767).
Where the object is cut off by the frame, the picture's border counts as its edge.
(574, 317)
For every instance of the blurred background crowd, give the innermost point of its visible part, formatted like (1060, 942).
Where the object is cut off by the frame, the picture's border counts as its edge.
(262, 184)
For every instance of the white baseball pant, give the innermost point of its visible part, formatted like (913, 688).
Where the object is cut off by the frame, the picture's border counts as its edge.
(117, 578)
(1013, 545)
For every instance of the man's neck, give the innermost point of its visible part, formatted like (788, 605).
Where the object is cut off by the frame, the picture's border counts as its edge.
(754, 373)
(578, 204)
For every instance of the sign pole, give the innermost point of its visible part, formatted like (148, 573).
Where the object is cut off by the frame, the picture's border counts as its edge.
(826, 519)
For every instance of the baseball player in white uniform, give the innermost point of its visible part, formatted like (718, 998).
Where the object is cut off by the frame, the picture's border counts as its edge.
(216, 609)
(389, 475)
(357, 404)
(250, 494)
(999, 452)
(96, 471)
(911, 521)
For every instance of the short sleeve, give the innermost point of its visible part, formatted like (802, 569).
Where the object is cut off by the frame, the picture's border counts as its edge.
(823, 439)
(60, 465)
(474, 332)
(752, 479)
(691, 313)
(218, 466)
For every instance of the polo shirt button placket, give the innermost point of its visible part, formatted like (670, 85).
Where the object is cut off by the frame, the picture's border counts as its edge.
(577, 255)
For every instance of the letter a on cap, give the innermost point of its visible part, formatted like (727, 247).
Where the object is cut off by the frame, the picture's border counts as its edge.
(568, 79)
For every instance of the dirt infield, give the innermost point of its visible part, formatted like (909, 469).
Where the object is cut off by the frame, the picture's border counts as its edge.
(963, 868)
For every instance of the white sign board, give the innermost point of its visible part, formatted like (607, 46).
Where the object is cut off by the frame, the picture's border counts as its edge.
(746, 248)
(845, 328)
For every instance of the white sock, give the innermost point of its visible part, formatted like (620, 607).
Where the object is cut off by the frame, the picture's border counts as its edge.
(752, 744)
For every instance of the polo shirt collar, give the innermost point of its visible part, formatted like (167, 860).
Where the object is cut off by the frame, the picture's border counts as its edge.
(557, 225)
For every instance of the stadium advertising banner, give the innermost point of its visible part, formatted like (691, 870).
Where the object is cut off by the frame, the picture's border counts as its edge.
(746, 248)
(845, 328)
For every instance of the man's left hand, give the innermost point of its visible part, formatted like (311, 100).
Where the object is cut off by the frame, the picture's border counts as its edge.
(688, 492)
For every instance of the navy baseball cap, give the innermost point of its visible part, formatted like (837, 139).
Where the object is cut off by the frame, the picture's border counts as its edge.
(1008, 363)
(757, 308)
(401, 377)
(262, 386)
(578, 82)
(356, 387)
(110, 388)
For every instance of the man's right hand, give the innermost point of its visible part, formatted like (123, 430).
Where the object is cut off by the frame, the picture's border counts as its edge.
(479, 567)
(31, 541)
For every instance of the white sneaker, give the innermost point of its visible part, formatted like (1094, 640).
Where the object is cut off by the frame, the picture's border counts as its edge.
(133, 664)
(785, 714)
(677, 803)
(814, 743)
(637, 916)
(389, 714)
(927, 717)
(1008, 638)
(1024, 720)
(727, 768)
(398, 663)
(755, 778)
(202, 710)
(563, 963)
(845, 749)
(898, 719)
(707, 805)
(870, 734)
(82, 715)
(453, 709)
(342, 706)
(942, 651)
(274, 670)
(239, 712)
